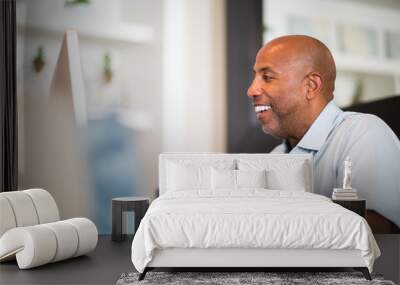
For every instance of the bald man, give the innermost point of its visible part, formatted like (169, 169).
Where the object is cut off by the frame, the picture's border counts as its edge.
(292, 92)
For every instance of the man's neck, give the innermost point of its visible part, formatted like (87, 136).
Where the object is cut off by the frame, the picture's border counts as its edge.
(298, 133)
(291, 143)
(288, 146)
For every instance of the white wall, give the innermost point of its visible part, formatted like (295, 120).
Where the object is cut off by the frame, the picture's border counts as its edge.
(136, 87)
(143, 77)
(176, 82)
(194, 77)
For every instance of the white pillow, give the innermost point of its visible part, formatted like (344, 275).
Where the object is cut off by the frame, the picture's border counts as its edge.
(282, 174)
(223, 179)
(251, 178)
(293, 179)
(181, 177)
(236, 179)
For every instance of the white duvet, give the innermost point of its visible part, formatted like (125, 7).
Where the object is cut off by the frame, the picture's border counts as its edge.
(250, 218)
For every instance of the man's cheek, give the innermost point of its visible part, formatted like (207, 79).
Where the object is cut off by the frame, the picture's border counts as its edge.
(283, 108)
(278, 111)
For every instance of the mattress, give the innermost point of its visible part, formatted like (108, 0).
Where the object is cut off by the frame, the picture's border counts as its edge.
(251, 219)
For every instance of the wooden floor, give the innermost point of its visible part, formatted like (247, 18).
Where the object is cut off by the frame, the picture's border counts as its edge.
(102, 266)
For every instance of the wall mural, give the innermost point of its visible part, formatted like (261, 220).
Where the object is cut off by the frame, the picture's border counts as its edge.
(113, 164)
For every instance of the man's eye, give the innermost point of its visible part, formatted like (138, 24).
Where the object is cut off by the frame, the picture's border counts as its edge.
(267, 78)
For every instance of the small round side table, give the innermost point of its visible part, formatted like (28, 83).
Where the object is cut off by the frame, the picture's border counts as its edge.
(138, 205)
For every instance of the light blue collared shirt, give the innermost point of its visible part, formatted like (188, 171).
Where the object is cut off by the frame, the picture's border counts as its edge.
(374, 151)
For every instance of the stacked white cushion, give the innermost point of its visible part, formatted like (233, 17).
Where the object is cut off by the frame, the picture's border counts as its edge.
(33, 246)
(209, 172)
(227, 179)
(193, 174)
(46, 207)
(251, 178)
(181, 177)
(31, 232)
(23, 208)
(7, 220)
(291, 179)
(288, 173)
(223, 179)
(66, 236)
(87, 234)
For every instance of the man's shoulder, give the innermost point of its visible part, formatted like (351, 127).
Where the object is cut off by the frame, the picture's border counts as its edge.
(367, 128)
(356, 117)
(363, 123)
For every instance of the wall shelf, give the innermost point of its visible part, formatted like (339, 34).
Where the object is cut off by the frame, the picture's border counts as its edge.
(363, 39)
(370, 65)
(94, 22)
(354, 32)
(125, 33)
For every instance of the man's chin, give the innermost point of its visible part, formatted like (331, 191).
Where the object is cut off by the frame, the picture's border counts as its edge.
(272, 132)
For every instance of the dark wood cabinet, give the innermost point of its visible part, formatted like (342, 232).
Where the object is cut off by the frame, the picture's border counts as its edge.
(357, 205)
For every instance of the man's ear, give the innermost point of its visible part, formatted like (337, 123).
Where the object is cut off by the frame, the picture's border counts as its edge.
(313, 85)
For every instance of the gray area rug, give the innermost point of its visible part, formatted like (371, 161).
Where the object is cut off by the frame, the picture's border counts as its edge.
(226, 278)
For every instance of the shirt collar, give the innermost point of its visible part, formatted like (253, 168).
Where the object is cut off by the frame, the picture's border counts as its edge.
(319, 131)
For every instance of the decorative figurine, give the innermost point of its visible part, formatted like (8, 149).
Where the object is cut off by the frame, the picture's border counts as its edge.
(347, 192)
(347, 174)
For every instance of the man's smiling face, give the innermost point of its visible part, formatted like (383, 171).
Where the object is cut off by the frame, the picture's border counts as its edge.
(277, 91)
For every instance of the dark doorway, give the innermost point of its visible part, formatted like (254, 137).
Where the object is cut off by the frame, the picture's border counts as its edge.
(244, 39)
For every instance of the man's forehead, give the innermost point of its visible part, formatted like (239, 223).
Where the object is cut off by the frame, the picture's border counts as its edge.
(266, 60)
(264, 69)
(274, 56)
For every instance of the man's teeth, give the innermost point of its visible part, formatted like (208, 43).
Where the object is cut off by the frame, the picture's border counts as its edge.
(262, 108)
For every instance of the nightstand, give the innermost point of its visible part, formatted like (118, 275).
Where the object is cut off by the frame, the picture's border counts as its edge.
(138, 205)
(356, 205)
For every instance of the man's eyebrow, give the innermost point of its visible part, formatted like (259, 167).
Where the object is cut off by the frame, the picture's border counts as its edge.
(266, 69)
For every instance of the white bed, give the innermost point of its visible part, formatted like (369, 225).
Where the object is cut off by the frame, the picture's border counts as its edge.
(199, 224)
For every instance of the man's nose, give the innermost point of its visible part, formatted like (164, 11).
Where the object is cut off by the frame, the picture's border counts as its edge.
(254, 89)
